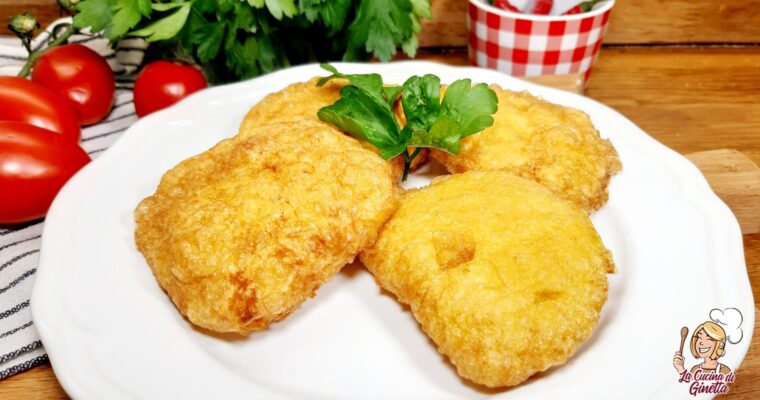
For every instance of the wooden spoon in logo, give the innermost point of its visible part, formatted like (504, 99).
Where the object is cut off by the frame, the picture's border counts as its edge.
(684, 332)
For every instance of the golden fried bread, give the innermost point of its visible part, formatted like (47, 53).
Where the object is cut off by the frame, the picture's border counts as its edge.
(302, 101)
(296, 102)
(504, 276)
(553, 145)
(242, 234)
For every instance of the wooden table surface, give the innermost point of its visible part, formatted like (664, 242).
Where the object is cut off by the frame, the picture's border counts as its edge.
(686, 71)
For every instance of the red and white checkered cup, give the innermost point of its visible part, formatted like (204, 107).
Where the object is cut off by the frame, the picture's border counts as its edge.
(533, 45)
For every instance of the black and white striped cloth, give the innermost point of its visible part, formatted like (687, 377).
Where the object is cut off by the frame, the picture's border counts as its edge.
(20, 346)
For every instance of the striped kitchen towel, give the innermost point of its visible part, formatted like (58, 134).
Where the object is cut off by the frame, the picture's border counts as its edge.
(20, 346)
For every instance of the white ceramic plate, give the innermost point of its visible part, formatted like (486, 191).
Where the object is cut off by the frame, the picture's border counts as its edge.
(112, 333)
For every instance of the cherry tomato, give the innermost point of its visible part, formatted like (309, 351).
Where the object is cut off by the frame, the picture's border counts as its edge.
(82, 76)
(542, 7)
(163, 83)
(586, 6)
(25, 101)
(34, 164)
(506, 5)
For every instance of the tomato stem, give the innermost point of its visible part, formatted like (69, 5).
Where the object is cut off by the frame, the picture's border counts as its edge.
(34, 55)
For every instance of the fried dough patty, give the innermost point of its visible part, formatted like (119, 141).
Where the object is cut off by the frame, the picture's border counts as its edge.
(553, 145)
(242, 234)
(302, 101)
(295, 102)
(505, 277)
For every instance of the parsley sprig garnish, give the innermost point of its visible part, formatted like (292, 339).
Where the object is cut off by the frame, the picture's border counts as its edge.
(238, 39)
(365, 111)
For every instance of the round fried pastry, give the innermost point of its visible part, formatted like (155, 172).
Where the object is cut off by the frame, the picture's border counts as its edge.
(295, 102)
(302, 101)
(505, 277)
(242, 234)
(556, 146)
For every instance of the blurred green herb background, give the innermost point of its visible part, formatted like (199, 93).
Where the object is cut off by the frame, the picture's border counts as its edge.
(238, 39)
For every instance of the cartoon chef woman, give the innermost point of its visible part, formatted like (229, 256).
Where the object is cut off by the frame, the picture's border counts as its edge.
(708, 343)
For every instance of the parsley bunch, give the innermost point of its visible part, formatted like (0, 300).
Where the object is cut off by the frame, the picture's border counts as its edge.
(365, 110)
(238, 39)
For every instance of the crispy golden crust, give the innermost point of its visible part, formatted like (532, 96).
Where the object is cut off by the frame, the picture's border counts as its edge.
(302, 101)
(296, 102)
(240, 235)
(506, 278)
(553, 145)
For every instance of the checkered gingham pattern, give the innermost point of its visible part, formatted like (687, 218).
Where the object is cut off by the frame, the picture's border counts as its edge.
(523, 47)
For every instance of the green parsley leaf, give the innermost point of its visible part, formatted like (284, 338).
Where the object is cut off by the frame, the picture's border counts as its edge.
(332, 13)
(391, 94)
(254, 56)
(204, 6)
(145, 7)
(410, 45)
(439, 136)
(278, 8)
(421, 8)
(421, 101)
(166, 27)
(311, 8)
(225, 6)
(126, 14)
(363, 116)
(472, 106)
(465, 110)
(209, 39)
(265, 55)
(113, 17)
(244, 18)
(370, 83)
(166, 6)
(365, 110)
(95, 14)
(380, 25)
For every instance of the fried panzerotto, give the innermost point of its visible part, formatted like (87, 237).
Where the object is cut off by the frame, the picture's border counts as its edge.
(505, 277)
(242, 234)
(302, 101)
(296, 102)
(553, 145)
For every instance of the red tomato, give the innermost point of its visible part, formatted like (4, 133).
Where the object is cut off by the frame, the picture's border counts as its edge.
(506, 5)
(34, 165)
(25, 101)
(82, 76)
(163, 83)
(542, 7)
